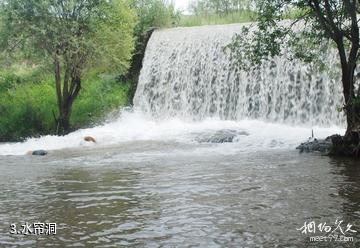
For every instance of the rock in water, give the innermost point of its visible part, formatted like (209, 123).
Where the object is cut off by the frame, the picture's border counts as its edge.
(89, 139)
(323, 146)
(221, 136)
(39, 153)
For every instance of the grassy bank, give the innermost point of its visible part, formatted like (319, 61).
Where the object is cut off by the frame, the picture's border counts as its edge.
(230, 18)
(28, 102)
(215, 19)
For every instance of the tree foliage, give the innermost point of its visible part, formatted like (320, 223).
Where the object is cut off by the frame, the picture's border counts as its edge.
(154, 13)
(73, 35)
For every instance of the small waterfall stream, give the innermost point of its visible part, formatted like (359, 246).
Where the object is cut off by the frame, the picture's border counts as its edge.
(187, 74)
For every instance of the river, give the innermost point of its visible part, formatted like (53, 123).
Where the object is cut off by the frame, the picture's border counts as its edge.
(167, 194)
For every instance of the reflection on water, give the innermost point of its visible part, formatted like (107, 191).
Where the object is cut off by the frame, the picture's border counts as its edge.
(176, 197)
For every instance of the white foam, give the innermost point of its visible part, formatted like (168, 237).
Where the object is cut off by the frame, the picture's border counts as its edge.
(138, 127)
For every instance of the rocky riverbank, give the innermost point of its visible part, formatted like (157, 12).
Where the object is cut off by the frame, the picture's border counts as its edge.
(316, 145)
(335, 145)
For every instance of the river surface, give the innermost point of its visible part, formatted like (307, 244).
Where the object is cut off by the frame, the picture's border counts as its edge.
(171, 194)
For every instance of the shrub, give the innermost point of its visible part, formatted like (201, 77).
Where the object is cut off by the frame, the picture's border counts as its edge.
(28, 103)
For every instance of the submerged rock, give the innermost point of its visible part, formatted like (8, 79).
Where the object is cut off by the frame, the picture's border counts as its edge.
(321, 145)
(220, 136)
(39, 153)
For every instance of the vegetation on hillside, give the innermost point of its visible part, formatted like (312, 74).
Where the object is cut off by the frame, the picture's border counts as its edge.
(210, 12)
(61, 61)
(215, 19)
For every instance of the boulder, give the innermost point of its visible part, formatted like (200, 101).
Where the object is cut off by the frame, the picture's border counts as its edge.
(89, 139)
(335, 139)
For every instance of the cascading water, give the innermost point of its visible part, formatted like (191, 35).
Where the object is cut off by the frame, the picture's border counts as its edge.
(188, 85)
(187, 74)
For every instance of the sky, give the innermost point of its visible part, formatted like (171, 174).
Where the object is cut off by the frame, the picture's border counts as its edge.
(181, 4)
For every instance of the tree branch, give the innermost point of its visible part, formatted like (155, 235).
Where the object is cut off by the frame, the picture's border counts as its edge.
(58, 80)
(314, 5)
(330, 16)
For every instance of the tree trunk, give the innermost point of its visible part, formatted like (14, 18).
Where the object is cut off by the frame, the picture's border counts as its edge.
(351, 108)
(63, 123)
(352, 111)
(67, 102)
(348, 96)
(348, 66)
(66, 95)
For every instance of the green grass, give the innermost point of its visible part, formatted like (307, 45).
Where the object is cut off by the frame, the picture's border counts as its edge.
(100, 95)
(215, 19)
(234, 17)
(28, 102)
(26, 111)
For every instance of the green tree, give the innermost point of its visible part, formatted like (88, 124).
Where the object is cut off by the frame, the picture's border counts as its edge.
(74, 35)
(151, 14)
(313, 23)
(154, 13)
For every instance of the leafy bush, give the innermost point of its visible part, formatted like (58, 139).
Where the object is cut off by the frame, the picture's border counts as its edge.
(19, 74)
(26, 110)
(28, 105)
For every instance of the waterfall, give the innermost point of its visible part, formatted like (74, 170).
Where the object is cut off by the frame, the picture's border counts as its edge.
(187, 74)
(189, 86)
